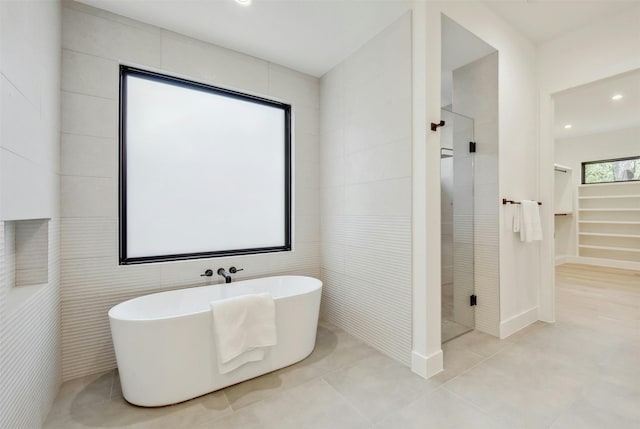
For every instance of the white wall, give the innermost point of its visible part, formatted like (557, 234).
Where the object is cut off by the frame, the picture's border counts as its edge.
(518, 175)
(29, 189)
(94, 44)
(572, 152)
(366, 192)
(605, 48)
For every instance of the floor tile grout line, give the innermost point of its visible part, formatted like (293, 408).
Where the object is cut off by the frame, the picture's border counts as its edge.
(415, 400)
(113, 380)
(223, 414)
(302, 383)
(355, 363)
(281, 392)
(431, 392)
(474, 405)
(226, 398)
(561, 413)
(509, 343)
(346, 400)
(314, 378)
(477, 364)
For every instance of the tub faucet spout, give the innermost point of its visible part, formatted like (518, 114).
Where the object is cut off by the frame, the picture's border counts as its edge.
(223, 273)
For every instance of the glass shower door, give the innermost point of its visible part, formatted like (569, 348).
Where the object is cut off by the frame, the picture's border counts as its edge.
(457, 198)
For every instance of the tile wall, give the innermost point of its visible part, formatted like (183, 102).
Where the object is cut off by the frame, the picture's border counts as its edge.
(94, 43)
(366, 192)
(29, 189)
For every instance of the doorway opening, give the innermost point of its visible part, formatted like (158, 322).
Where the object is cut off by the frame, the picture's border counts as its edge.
(469, 181)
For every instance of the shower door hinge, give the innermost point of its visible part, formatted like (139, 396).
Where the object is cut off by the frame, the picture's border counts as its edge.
(472, 147)
(473, 300)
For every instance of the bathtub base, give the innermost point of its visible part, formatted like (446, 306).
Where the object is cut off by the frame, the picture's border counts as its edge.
(240, 377)
(170, 360)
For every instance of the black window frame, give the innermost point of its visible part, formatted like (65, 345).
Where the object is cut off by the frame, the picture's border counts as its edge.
(602, 161)
(122, 173)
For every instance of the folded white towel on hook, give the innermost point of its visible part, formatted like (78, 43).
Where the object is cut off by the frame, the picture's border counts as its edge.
(530, 226)
(243, 327)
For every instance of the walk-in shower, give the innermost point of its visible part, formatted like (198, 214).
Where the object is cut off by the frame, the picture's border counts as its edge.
(457, 214)
(469, 176)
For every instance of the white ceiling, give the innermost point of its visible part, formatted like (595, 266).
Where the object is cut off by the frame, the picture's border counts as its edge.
(543, 20)
(311, 36)
(590, 109)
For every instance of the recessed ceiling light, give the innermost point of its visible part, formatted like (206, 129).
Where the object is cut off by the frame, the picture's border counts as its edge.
(568, 126)
(244, 2)
(617, 97)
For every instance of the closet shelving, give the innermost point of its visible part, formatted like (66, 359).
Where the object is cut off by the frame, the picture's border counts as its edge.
(563, 204)
(609, 221)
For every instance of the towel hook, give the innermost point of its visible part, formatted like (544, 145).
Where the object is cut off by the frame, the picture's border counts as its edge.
(434, 126)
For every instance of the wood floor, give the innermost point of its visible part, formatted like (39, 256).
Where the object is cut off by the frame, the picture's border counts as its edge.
(604, 299)
(597, 278)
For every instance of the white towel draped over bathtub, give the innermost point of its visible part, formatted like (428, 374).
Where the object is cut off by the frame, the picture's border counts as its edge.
(526, 221)
(243, 327)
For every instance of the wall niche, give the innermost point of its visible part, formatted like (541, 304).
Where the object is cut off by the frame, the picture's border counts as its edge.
(27, 252)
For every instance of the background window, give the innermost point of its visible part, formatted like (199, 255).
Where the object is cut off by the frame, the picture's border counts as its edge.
(204, 171)
(611, 170)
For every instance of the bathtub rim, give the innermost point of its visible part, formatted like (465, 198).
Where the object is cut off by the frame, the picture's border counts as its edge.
(112, 313)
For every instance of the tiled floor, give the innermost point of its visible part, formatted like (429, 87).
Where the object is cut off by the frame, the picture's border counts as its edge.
(579, 373)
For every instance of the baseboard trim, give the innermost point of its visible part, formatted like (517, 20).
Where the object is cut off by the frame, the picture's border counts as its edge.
(427, 366)
(518, 322)
(601, 262)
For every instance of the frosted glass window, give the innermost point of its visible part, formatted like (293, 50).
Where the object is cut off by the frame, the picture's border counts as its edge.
(204, 171)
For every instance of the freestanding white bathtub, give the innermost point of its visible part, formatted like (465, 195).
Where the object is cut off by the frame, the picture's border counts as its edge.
(164, 341)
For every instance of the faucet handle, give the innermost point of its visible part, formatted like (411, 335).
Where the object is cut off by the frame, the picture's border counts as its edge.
(207, 273)
(234, 270)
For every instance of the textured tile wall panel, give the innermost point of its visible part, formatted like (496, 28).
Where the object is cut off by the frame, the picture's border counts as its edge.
(92, 281)
(30, 326)
(82, 237)
(30, 353)
(367, 288)
(9, 259)
(374, 311)
(366, 226)
(463, 269)
(487, 274)
(5, 284)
